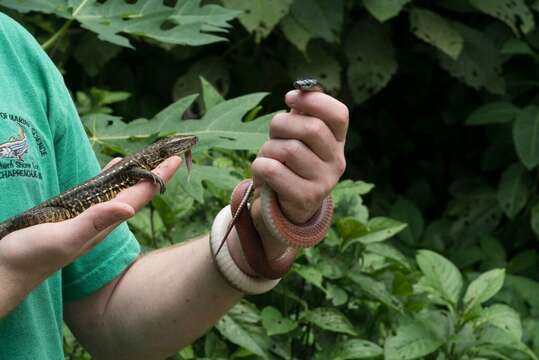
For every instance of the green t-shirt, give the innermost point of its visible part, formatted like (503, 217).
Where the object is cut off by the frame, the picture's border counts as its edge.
(44, 151)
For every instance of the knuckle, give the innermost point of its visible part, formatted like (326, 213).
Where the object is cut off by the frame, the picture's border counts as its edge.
(315, 127)
(278, 122)
(293, 148)
(271, 169)
(341, 165)
(344, 115)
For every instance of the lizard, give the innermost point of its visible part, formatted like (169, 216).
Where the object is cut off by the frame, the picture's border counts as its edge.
(105, 186)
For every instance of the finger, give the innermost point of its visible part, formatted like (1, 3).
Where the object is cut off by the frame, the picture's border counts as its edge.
(333, 112)
(140, 194)
(311, 131)
(286, 184)
(112, 163)
(295, 155)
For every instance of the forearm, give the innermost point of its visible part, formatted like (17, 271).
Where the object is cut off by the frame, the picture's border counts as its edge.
(14, 287)
(163, 302)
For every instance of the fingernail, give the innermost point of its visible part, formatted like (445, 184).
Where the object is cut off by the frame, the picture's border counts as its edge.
(291, 97)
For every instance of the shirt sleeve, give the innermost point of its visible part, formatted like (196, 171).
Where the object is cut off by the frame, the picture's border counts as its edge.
(76, 162)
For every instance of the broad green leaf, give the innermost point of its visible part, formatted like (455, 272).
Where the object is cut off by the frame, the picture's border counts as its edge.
(499, 340)
(371, 58)
(192, 183)
(190, 23)
(336, 294)
(513, 190)
(526, 136)
(504, 317)
(319, 64)
(93, 53)
(57, 7)
(534, 219)
(348, 202)
(296, 33)
(437, 31)
(384, 10)
(378, 229)
(441, 274)
(330, 319)
(214, 69)
(526, 288)
(376, 289)
(236, 327)
(404, 210)
(514, 13)
(412, 341)
(389, 252)
(210, 95)
(514, 46)
(483, 288)
(493, 113)
(222, 125)
(311, 274)
(479, 64)
(319, 18)
(258, 16)
(274, 322)
(357, 349)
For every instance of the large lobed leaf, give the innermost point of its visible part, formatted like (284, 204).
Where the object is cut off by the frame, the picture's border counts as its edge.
(189, 23)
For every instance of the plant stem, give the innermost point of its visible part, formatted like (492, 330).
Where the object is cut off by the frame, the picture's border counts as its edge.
(47, 44)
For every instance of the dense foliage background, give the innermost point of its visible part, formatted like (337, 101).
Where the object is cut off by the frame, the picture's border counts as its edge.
(437, 261)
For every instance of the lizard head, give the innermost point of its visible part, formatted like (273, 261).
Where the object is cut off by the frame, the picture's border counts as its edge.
(179, 145)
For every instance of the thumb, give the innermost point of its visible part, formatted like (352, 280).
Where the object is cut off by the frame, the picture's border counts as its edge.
(96, 222)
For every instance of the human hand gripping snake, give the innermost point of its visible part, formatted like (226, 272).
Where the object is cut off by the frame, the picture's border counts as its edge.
(274, 221)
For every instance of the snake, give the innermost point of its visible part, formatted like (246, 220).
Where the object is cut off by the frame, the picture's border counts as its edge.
(296, 236)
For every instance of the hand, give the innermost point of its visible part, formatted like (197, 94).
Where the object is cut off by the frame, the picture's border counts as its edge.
(304, 158)
(28, 256)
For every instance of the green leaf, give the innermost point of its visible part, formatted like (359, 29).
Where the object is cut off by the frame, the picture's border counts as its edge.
(435, 30)
(483, 288)
(441, 275)
(479, 64)
(513, 12)
(210, 95)
(320, 18)
(190, 23)
(222, 125)
(513, 190)
(376, 289)
(296, 33)
(259, 17)
(384, 10)
(404, 210)
(58, 7)
(347, 199)
(412, 341)
(378, 229)
(493, 113)
(504, 317)
(389, 252)
(311, 274)
(274, 322)
(236, 329)
(526, 136)
(319, 64)
(534, 219)
(357, 349)
(330, 319)
(371, 58)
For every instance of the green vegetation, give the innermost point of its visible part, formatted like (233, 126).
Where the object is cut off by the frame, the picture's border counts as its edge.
(438, 260)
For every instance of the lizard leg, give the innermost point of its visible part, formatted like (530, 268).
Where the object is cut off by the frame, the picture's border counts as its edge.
(140, 173)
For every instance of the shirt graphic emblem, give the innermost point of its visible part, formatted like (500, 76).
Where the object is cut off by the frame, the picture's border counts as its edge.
(15, 147)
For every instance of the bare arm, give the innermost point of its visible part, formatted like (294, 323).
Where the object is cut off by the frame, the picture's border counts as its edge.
(163, 302)
(169, 297)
